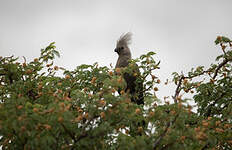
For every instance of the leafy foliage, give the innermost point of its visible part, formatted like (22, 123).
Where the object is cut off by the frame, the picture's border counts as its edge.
(82, 109)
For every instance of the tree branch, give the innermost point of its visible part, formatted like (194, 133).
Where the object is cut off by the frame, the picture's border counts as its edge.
(207, 114)
(177, 92)
(69, 133)
(157, 141)
(219, 67)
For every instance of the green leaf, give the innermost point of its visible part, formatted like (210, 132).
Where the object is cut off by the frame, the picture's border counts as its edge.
(56, 53)
(225, 39)
(151, 53)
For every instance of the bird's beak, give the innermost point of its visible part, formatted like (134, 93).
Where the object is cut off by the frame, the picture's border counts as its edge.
(116, 50)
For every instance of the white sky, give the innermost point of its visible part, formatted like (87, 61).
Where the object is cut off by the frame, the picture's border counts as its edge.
(181, 32)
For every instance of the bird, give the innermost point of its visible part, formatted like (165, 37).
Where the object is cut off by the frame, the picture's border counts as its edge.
(133, 87)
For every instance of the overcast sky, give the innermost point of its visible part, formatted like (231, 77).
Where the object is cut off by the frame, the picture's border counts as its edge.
(181, 32)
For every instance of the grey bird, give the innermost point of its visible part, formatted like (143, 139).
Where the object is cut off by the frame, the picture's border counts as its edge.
(124, 56)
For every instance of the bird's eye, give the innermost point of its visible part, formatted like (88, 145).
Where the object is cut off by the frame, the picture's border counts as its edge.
(121, 48)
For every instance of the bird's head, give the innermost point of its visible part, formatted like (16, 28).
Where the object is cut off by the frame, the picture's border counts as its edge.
(122, 44)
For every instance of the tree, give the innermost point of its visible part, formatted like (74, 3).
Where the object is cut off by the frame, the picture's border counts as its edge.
(82, 109)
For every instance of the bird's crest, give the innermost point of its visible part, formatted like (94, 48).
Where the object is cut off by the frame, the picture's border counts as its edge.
(125, 39)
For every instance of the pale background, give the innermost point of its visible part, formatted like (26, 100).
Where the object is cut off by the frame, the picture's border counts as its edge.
(181, 32)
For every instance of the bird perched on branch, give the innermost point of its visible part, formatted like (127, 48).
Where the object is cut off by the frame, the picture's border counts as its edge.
(124, 56)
